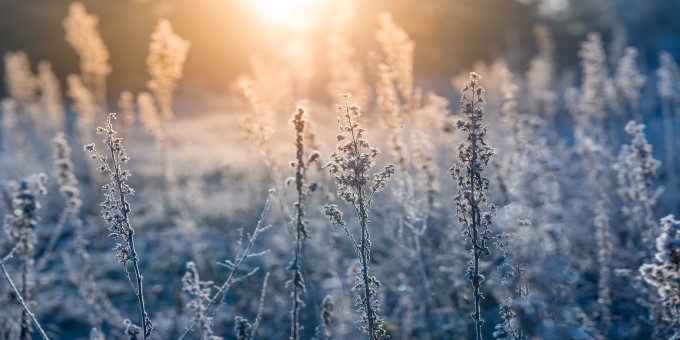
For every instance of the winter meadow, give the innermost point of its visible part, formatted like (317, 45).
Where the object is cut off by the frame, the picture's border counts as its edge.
(375, 169)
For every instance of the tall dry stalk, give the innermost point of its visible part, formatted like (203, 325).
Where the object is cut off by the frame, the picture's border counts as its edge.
(474, 155)
(116, 210)
(350, 165)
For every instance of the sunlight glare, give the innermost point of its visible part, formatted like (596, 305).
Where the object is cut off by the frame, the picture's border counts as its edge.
(294, 14)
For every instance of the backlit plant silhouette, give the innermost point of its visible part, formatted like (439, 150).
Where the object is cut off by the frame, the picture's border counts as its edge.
(474, 156)
(350, 165)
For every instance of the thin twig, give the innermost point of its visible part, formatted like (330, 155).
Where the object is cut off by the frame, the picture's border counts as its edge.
(234, 267)
(260, 308)
(23, 304)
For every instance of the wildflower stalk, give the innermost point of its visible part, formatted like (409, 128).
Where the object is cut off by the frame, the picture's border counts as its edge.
(636, 168)
(349, 164)
(302, 189)
(82, 33)
(83, 277)
(18, 296)
(474, 155)
(116, 209)
(662, 274)
(68, 188)
(19, 226)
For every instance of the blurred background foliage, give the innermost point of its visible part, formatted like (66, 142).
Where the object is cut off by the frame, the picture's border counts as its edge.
(450, 34)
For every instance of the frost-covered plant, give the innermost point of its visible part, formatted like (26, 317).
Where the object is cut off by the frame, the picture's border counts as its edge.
(669, 78)
(19, 227)
(509, 328)
(394, 119)
(592, 101)
(392, 116)
(63, 170)
(22, 87)
(426, 164)
(630, 81)
(83, 35)
(414, 130)
(50, 96)
(533, 168)
(148, 115)
(242, 328)
(416, 175)
(398, 49)
(323, 331)
(350, 164)
(535, 175)
(19, 79)
(397, 99)
(511, 274)
(260, 308)
(301, 165)
(8, 106)
(38, 96)
(605, 248)
(68, 188)
(200, 293)
(256, 129)
(411, 149)
(663, 272)
(431, 124)
(508, 90)
(541, 73)
(26, 310)
(588, 108)
(84, 105)
(126, 107)
(636, 168)
(84, 277)
(509, 115)
(116, 210)
(474, 156)
(509, 104)
(669, 91)
(167, 53)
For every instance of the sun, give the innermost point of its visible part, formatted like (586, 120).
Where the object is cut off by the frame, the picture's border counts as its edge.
(294, 14)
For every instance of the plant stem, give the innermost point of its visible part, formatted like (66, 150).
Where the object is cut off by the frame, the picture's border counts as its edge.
(364, 261)
(364, 251)
(298, 283)
(125, 209)
(25, 325)
(27, 312)
(475, 224)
